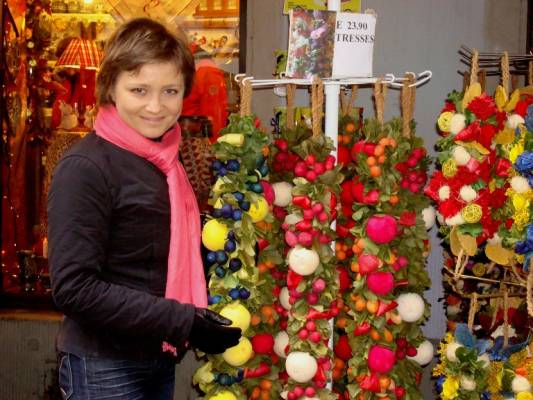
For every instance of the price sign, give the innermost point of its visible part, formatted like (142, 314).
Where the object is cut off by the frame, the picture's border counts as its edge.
(354, 45)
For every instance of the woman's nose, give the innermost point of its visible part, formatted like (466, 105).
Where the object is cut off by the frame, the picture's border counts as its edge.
(154, 104)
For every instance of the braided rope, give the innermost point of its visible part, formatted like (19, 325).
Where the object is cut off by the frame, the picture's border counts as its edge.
(505, 71)
(246, 98)
(317, 104)
(472, 311)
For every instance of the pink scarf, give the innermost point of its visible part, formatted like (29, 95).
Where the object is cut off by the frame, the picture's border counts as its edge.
(185, 275)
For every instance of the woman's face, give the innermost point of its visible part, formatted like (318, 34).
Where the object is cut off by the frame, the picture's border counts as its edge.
(150, 100)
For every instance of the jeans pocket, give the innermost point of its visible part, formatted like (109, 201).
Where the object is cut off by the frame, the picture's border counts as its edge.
(65, 377)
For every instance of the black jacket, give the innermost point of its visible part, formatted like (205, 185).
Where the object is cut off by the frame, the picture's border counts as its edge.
(108, 231)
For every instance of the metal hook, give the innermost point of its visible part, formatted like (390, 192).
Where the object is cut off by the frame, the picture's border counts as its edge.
(422, 78)
(246, 79)
(238, 78)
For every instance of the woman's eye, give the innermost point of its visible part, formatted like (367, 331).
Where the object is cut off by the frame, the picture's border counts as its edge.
(138, 90)
(172, 91)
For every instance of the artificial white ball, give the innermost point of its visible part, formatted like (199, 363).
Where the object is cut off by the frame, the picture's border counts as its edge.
(281, 341)
(485, 359)
(303, 261)
(411, 306)
(424, 353)
(444, 192)
(457, 123)
(468, 383)
(452, 311)
(284, 298)
(301, 366)
(514, 120)
(461, 155)
(520, 184)
(428, 215)
(451, 348)
(282, 193)
(520, 384)
(467, 193)
(457, 219)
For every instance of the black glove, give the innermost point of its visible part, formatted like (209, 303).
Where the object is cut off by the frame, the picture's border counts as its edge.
(210, 332)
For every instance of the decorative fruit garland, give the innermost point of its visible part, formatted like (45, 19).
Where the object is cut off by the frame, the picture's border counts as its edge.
(306, 207)
(483, 201)
(231, 238)
(390, 246)
(470, 187)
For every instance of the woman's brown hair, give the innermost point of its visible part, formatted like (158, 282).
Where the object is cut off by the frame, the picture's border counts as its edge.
(138, 42)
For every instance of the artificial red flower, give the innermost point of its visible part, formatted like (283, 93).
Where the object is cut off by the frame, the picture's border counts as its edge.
(448, 106)
(502, 167)
(474, 132)
(522, 105)
(448, 208)
(482, 106)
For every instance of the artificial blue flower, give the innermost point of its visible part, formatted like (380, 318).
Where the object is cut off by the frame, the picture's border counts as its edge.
(439, 382)
(485, 396)
(524, 162)
(499, 353)
(468, 340)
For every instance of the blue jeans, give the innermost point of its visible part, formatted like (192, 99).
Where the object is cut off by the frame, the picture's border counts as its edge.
(89, 378)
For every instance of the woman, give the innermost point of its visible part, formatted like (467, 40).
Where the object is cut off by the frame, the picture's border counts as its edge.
(124, 232)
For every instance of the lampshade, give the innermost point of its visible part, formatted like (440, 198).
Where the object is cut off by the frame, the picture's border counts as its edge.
(81, 53)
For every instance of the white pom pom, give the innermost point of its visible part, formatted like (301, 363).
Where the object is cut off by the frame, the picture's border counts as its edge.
(520, 384)
(292, 219)
(424, 353)
(444, 192)
(495, 239)
(520, 184)
(284, 298)
(281, 341)
(514, 120)
(282, 192)
(428, 215)
(457, 123)
(411, 306)
(467, 193)
(461, 155)
(450, 351)
(457, 219)
(468, 383)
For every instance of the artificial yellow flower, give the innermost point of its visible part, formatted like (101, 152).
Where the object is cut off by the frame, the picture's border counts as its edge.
(444, 121)
(515, 151)
(450, 388)
(495, 377)
(449, 168)
(524, 396)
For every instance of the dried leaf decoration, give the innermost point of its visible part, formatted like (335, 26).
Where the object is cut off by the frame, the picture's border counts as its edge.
(498, 254)
(472, 92)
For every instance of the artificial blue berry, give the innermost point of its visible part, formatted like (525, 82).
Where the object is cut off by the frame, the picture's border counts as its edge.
(245, 205)
(233, 165)
(226, 210)
(236, 215)
(222, 257)
(211, 257)
(238, 196)
(244, 293)
(230, 246)
(264, 170)
(220, 272)
(217, 213)
(234, 293)
(231, 235)
(222, 171)
(235, 264)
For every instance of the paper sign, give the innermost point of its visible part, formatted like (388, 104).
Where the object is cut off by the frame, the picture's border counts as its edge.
(346, 5)
(329, 44)
(354, 45)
